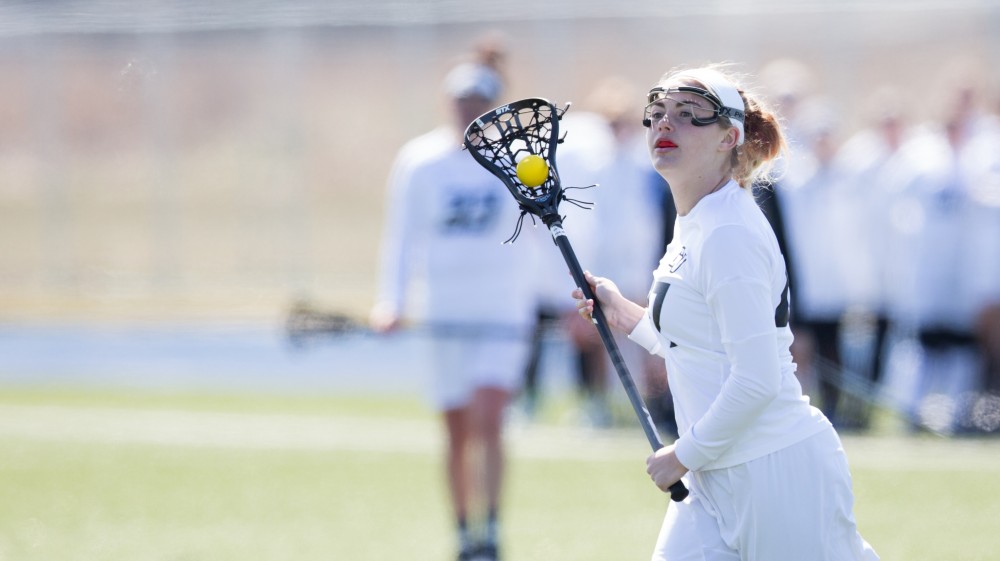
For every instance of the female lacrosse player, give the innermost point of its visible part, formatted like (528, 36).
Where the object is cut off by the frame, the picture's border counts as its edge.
(768, 476)
(448, 218)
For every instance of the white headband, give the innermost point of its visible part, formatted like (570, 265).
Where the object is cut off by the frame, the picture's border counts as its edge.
(723, 89)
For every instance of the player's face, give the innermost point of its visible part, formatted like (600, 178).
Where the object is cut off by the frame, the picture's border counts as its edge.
(675, 141)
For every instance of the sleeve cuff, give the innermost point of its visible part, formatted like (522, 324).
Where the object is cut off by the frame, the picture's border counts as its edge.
(688, 454)
(645, 335)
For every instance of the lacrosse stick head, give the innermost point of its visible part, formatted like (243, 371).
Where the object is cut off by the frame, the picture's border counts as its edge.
(501, 138)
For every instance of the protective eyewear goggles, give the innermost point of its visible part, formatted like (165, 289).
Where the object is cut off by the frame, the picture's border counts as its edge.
(660, 105)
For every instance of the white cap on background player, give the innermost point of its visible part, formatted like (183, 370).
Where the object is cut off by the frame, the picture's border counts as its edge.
(470, 79)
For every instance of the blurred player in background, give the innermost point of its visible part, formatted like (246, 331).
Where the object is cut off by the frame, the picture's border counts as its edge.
(983, 160)
(948, 246)
(871, 161)
(621, 236)
(768, 476)
(819, 228)
(587, 142)
(788, 82)
(447, 220)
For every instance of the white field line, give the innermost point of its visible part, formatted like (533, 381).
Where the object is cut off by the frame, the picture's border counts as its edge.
(290, 432)
(927, 452)
(262, 431)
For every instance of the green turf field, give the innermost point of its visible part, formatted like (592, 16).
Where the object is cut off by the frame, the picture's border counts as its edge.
(87, 476)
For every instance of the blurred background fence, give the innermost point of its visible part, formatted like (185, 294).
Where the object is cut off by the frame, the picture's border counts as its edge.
(218, 160)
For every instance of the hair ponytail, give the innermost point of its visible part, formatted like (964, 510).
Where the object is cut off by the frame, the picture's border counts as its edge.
(764, 143)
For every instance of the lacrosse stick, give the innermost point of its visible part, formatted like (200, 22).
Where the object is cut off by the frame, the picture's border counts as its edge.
(306, 323)
(503, 141)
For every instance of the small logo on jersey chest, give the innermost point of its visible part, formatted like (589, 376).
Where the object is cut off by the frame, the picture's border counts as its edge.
(678, 260)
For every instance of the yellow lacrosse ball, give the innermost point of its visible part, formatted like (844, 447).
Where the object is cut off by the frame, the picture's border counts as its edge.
(532, 170)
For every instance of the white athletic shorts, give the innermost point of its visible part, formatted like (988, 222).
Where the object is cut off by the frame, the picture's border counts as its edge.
(793, 505)
(464, 364)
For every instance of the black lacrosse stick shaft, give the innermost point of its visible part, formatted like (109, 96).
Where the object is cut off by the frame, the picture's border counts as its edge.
(678, 492)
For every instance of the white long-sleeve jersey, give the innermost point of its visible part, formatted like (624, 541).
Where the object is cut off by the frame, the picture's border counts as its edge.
(443, 256)
(718, 314)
